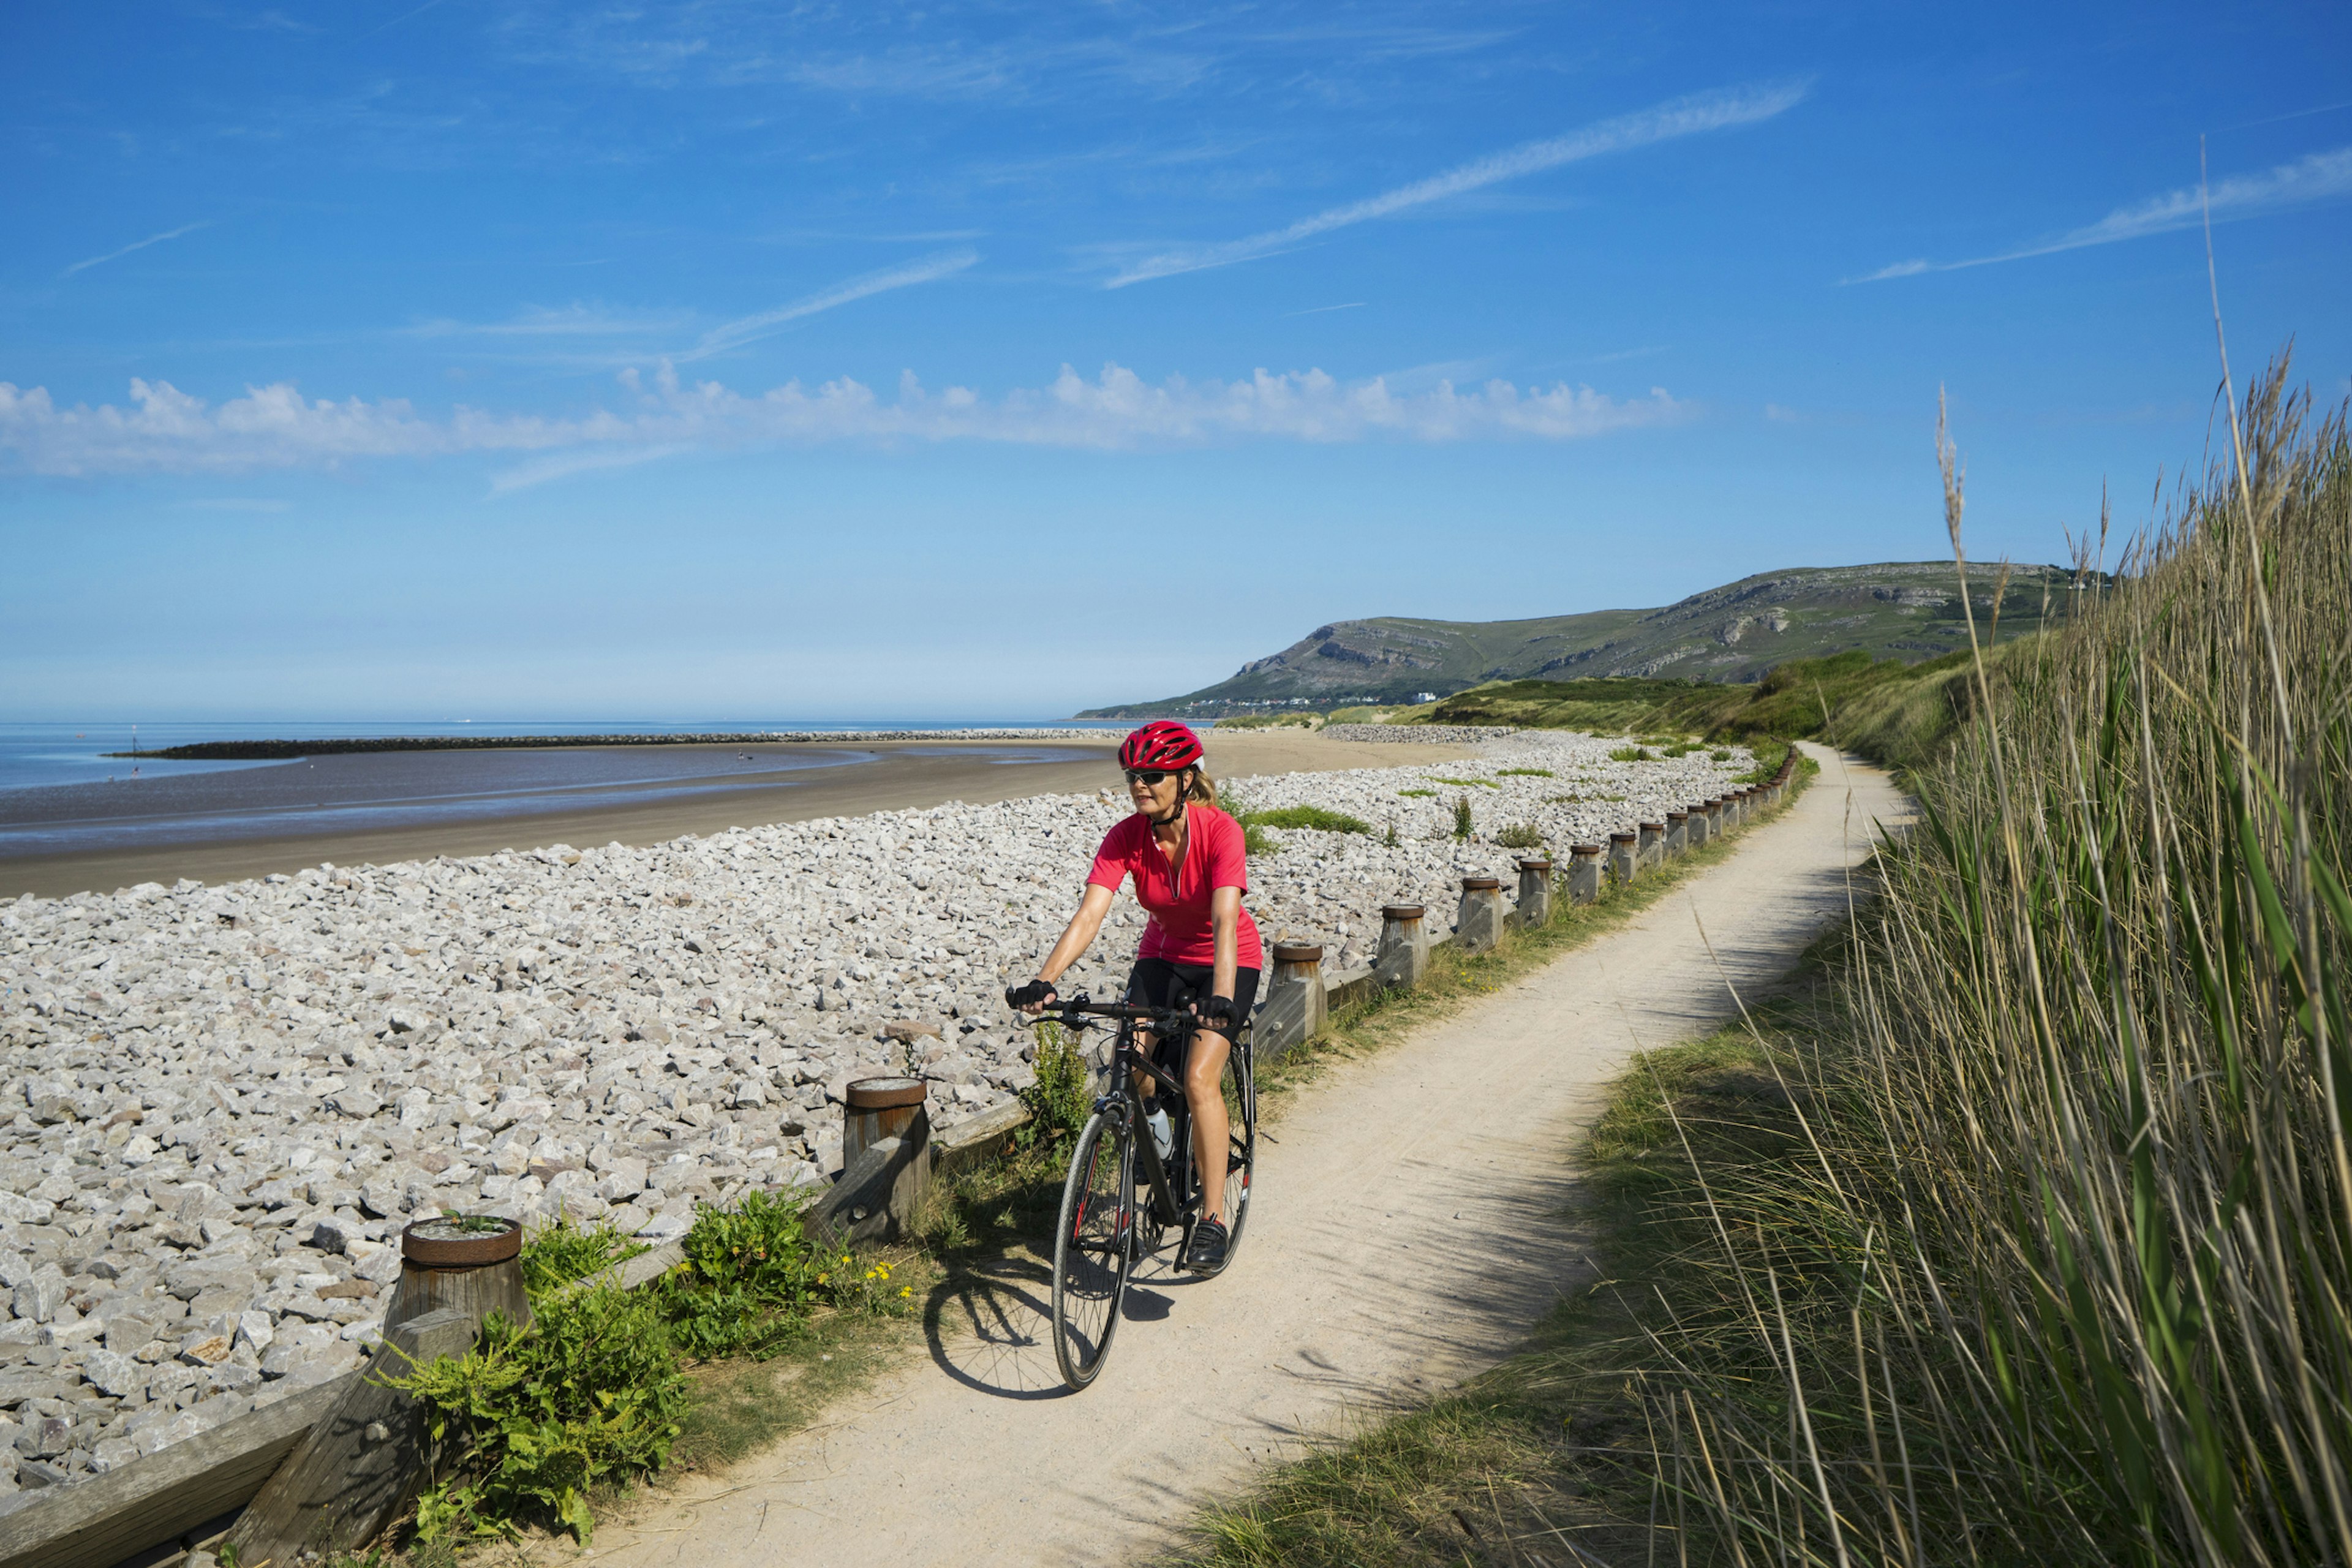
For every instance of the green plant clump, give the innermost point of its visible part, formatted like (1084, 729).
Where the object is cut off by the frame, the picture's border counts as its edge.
(1632, 755)
(1419, 794)
(1313, 817)
(1059, 1101)
(1463, 825)
(556, 1254)
(1520, 835)
(1523, 773)
(591, 1392)
(1467, 783)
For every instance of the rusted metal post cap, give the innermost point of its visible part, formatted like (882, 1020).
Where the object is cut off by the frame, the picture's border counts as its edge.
(1584, 851)
(885, 1093)
(1679, 816)
(1535, 865)
(1624, 837)
(1653, 827)
(1297, 952)
(1481, 884)
(461, 1241)
(1402, 911)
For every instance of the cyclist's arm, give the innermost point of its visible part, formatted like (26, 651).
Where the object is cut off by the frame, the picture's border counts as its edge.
(1225, 922)
(1079, 934)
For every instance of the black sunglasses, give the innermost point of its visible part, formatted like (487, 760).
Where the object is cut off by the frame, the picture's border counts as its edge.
(1151, 777)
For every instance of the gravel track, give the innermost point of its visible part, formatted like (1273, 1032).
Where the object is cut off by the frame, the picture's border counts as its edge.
(1415, 1219)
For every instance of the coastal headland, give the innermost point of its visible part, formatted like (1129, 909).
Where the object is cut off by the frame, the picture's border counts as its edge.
(254, 821)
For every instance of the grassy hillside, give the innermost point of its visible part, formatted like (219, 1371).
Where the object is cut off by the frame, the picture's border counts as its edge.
(1887, 708)
(1904, 611)
(2023, 1235)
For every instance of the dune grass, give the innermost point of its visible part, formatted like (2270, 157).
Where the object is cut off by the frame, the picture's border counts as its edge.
(2025, 1235)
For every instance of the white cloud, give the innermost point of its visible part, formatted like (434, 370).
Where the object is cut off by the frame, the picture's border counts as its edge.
(164, 430)
(136, 244)
(1683, 117)
(749, 328)
(2318, 177)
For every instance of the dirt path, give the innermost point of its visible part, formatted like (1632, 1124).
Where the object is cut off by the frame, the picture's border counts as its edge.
(1413, 1224)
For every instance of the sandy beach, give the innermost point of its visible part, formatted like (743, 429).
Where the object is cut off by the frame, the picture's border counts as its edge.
(906, 775)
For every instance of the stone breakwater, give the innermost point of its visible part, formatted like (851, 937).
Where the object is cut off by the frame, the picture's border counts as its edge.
(221, 1104)
(265, 750)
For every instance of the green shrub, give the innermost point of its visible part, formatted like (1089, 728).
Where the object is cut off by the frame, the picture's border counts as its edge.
(556, 1254)
(1719, 754)
(1520, 835)
(1313, 817)
(1632, 755)
(1463, 825)
(591, 1392)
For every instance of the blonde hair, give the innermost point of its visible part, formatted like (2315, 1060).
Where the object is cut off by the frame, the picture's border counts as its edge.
(1204, 788)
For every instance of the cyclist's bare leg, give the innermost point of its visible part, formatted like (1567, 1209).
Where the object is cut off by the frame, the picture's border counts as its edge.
(1203, 1071)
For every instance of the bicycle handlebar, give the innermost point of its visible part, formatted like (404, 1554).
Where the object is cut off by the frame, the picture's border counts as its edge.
(1175, 1017)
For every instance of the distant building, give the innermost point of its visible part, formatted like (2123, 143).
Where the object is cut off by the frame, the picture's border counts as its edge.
(1424, 696)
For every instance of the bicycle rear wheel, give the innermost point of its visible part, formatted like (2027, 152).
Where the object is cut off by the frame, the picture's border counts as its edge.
(1094, 1248)
(1240, 1085)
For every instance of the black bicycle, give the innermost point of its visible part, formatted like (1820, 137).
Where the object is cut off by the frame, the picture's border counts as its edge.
(1125, 1193)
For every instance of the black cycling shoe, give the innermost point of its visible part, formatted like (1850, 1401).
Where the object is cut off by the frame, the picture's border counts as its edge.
(1206, 1254)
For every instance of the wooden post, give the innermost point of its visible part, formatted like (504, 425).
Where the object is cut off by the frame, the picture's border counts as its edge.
(1697, 826)
(1624, 858)
(1584, 873)
(1677, 834)
(874, 1109)
(1296, 1005)
(360, 1465)
(1534, 894)
(1479, 926)
(1404, 956)
(440, 1266)
(1714, 823)
(1652, 852)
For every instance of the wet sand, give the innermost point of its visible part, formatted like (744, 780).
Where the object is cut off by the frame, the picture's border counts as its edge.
(906, 775)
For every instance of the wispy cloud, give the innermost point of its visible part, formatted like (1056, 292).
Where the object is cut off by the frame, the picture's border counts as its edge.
(136, 244)
(572, 321)
(1689, 116)
(750, 329)
(1321, 309)
(2315, 178)
(164, 430)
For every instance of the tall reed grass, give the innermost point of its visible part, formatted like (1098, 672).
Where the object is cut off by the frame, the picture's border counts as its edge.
(2063, 1272)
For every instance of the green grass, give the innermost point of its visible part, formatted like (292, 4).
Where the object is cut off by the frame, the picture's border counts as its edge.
(1632, 755)
(1467, 783)
(1314, 816)
(1418, 794)
(1523, 773)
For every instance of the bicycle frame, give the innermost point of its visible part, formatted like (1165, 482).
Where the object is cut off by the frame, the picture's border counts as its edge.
(1122, 1097)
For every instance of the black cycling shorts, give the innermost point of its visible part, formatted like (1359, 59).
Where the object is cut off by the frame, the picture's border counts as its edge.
(1155, 982)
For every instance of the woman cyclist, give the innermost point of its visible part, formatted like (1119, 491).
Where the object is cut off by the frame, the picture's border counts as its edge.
(1189, 868)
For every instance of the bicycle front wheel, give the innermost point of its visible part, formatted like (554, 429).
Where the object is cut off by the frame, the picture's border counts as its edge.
(1239, 1088)
(1094, 1246)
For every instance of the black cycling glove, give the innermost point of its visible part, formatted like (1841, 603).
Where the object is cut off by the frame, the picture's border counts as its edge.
(1035, 994)
(1217, 1012)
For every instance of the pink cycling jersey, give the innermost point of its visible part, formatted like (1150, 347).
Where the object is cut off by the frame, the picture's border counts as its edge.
(1177, 897)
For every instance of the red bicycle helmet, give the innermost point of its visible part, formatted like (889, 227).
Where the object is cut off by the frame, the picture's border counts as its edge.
(1162, 744)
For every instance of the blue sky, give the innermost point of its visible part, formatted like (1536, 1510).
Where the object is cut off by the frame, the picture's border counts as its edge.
(510, 360)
